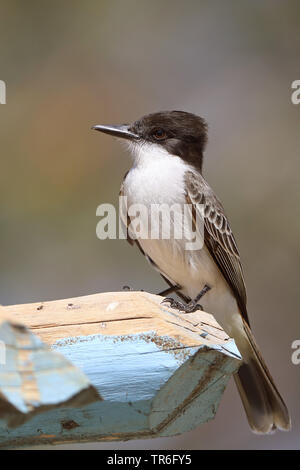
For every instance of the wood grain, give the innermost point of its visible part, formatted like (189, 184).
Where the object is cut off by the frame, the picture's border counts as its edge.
(159, 372)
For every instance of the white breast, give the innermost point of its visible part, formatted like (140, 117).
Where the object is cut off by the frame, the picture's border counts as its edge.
(158, 178)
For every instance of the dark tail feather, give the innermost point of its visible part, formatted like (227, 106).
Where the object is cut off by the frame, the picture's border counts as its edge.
(265, 408)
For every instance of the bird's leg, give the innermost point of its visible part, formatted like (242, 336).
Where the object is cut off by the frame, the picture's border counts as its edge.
(172, 302)
(169, 290)
(192, 306)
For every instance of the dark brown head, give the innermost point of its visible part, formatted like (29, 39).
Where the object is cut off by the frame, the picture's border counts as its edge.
(180, 133)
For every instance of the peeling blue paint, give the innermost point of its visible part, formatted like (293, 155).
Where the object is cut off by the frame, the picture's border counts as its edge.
(151, 386)
(114, 361)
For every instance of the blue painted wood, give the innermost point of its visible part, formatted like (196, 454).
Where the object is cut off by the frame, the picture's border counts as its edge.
(137, 367)
(33, 377)
(152, 386)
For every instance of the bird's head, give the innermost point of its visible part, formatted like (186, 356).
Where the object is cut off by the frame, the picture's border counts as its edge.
(170, 133)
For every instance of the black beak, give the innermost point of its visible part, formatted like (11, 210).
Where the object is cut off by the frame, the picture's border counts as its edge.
(117, 131)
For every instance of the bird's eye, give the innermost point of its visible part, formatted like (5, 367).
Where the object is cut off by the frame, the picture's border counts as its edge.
(159, 134)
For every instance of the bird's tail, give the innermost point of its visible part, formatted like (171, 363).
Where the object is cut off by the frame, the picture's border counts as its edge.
(264, 407)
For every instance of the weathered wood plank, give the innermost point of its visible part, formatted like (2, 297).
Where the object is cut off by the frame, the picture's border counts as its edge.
(34, 379)
(159, 372)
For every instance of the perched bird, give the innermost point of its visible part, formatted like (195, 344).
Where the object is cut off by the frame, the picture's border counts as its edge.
(167, 149)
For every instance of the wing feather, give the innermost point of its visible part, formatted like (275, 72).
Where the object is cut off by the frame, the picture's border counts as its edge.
(218, 236)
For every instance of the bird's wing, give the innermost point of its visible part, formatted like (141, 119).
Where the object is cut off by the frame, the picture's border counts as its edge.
(124, 217)
(218, 236)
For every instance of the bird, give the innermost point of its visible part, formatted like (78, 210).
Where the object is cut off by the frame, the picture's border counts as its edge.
(167, 148)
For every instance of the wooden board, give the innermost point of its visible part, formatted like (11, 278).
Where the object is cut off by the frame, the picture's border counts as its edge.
(159, 372)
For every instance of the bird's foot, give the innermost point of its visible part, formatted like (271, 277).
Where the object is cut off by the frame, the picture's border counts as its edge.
(185, 308)
(191, 306)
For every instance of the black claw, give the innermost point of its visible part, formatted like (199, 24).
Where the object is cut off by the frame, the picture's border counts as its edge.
(173, 303)
(167, 300)
(189, 308)
(193, 307)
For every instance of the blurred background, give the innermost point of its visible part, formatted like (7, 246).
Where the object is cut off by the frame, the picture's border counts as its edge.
(71, 64)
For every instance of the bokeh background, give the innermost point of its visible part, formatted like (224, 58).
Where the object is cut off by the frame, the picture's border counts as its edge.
(71, 64)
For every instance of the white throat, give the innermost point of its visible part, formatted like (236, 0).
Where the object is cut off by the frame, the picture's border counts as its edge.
(145, 154)
(156, 175)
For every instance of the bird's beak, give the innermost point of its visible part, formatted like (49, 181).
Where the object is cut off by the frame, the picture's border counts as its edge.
(117, 131)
